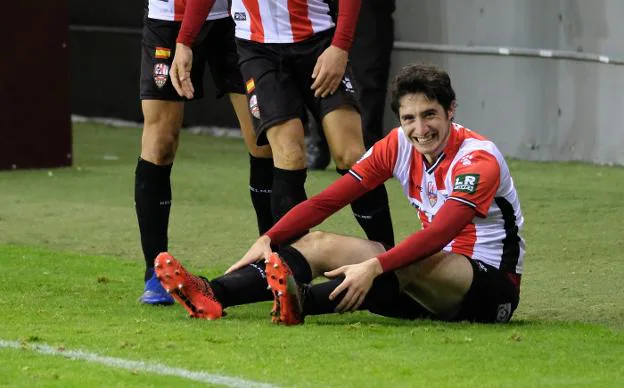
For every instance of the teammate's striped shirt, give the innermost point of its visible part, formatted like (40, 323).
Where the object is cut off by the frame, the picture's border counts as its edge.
(173, 10)
(470, 170)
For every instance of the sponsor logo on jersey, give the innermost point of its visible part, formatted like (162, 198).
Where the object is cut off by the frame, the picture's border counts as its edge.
(466, 160)
(161, 74)
(162, 53)
(253, 106)
(240, 16)
(250, 85)
(466, 183)
(432, 193)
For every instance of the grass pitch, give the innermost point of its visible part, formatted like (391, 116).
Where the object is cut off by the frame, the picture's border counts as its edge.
(71, 271)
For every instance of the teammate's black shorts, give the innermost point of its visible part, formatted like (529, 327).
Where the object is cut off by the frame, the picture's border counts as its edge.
(278, 77)
(214, 44)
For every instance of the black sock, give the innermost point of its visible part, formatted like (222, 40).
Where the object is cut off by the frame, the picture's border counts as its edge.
(249, 285)
(373, 214)
(385, 289)
(152, 197)
(245, 285)
(288, 190)
(260, 182)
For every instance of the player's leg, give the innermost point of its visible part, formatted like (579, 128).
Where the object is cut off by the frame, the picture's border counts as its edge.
(343, 130)
(260, 165)
(276, 107)
(163, 111)
(223, 60)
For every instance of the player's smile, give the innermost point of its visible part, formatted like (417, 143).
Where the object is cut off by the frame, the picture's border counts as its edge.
(425, 123)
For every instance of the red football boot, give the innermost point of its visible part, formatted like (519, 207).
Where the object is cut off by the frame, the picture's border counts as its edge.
(287, 305)
(192, 292)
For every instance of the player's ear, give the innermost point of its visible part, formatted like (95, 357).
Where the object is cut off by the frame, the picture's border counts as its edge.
(451, 111)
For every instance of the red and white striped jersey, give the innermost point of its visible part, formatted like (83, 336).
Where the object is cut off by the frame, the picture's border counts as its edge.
(280, 21)
(470, 170)
(173, 10)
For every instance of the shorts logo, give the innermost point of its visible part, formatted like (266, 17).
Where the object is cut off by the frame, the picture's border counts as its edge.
(240, 16)
(432, 194)
(348, 85)
(253, 106)
(504, 312)
(161, 74)
(466, 183)
(162, 53)
(250, 85)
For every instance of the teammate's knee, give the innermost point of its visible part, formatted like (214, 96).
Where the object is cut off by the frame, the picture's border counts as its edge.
(159, 143)
(260, 151)
(347, 157)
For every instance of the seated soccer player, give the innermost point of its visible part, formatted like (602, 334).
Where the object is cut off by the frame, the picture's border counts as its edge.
(465, 263)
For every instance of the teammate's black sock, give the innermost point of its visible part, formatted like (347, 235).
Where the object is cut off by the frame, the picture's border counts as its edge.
(288, 190)
(152, 197)
(385, 289)
(249, 285)
(260, 182)
(373, 214)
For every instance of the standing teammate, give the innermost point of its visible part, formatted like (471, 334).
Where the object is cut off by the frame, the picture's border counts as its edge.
(293, 56)
(163, 111)
(465, 264)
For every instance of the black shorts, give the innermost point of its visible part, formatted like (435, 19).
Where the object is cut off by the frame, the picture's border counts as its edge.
(492, 297)
(214, 44)
(278, 77)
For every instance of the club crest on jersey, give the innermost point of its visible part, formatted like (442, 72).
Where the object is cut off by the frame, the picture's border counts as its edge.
(432, 193)
(161, 74)
(254, 109)
(466, 183)
(348, 85)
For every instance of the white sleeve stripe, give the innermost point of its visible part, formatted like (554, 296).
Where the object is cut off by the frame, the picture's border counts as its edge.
(355, 175)
(464, 201)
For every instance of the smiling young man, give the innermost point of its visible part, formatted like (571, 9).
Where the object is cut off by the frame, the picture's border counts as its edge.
(465, 263)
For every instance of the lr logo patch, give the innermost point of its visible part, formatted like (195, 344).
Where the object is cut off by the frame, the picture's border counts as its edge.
(466, 183)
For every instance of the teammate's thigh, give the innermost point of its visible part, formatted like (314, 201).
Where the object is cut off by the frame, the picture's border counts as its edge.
(272, 94)
(343, 131)
(239, 102)
(161, 130)
(327, 251)
(219, 49)
(438, 282)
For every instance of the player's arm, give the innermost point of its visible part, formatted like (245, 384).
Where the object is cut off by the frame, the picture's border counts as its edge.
(331, 64)
(195, 15)
(450, 220)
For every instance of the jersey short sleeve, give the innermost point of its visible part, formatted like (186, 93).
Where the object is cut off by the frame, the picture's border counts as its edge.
(377, 164)
(476, 178)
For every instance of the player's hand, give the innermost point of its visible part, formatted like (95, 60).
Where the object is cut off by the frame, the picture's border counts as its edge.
(261, 249)
(358, 280)
(328, 71)
(181, 71)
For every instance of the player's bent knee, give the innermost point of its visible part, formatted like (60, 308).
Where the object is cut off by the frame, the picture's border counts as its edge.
(347, 157)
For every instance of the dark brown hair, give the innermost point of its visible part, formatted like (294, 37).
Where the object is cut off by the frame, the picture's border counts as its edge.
(430, 80)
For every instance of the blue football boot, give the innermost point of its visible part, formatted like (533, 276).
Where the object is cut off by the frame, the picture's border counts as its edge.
(154, 292)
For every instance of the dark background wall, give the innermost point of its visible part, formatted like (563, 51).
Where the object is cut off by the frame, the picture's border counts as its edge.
(35, 128)
(105, 41)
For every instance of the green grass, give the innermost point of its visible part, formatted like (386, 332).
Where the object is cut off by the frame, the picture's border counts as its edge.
(71, 270)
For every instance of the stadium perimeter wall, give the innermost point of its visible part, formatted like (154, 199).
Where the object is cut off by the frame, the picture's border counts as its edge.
(535, 107)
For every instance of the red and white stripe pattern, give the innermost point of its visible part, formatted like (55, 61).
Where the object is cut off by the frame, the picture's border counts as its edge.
(173, 10)
(493, 235)
(280, 21)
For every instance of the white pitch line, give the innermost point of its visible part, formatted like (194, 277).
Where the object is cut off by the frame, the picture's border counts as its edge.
(141, 366)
